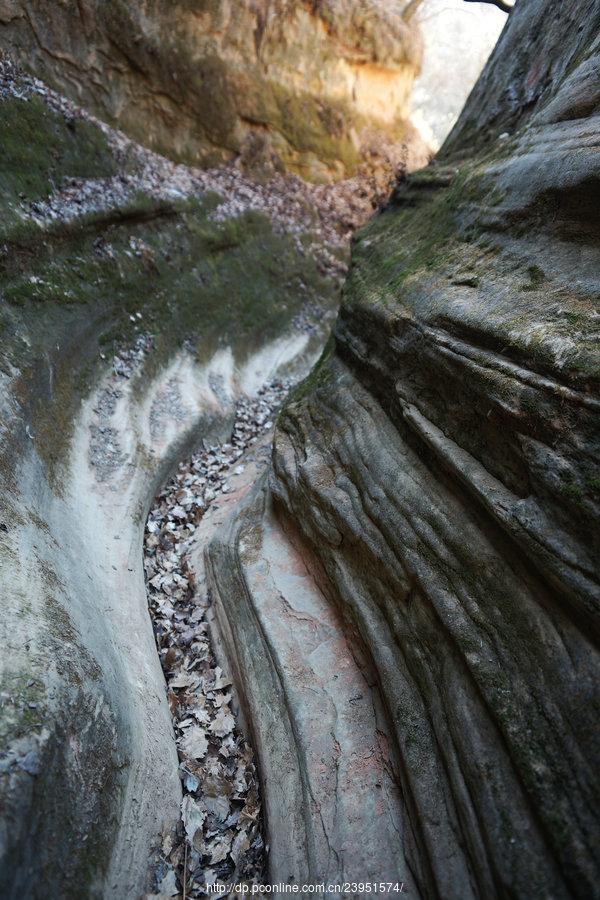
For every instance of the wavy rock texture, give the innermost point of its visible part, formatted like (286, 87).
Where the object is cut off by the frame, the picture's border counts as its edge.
(332, 806)
(441, 467)
(314, 87)
(95, 414)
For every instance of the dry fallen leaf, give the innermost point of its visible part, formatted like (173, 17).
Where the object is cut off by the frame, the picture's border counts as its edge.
(220, 848)
(194, 743)
(191, 783)
(222, 699)
(220, 680)
(239, 846)
(183, 680)
(193, 817)
(218, 806)
(202, 716)
(223, 723)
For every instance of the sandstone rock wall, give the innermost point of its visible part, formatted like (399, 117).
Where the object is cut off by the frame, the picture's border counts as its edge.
(441, 464)
(131, 320)
(314, 87)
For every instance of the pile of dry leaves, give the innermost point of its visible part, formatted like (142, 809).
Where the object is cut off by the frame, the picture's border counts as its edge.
(220, 838)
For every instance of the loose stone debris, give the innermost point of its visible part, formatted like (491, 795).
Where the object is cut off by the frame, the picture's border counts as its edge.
(220, 840)
(105, 455)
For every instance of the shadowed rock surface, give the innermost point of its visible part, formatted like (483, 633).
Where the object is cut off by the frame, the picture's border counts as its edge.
(440, 469)
(311, 87)
(131, 321)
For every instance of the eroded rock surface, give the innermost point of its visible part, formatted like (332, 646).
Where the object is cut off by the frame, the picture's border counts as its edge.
(313, 716)
(221, 838)
(441, 467)
(135, 309)
(316, 88)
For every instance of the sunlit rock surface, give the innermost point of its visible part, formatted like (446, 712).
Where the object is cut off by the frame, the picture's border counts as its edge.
(316, 88)
(440, 469)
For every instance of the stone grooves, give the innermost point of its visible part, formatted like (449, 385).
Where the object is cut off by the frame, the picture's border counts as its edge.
(220, 838)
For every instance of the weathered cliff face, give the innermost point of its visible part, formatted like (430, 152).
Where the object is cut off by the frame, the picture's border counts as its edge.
(317, 88)
(441, 467)
(135, 308)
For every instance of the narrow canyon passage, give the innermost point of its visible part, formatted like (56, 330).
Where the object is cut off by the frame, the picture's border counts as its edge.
(299, 443)
(319, 683)
(221, 812)
(281, 677)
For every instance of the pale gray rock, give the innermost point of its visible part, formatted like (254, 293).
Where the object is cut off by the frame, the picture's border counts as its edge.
(122, 343)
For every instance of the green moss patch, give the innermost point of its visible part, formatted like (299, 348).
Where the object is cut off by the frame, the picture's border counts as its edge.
(535, 279)
(319, 376)
(400, 243)
(39, 148)
(72, 293)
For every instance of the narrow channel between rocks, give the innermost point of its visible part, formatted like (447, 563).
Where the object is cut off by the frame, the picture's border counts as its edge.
(220, 837)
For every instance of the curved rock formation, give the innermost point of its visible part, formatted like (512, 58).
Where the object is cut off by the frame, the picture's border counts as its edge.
(331, 803)
(131, 320)
(314, 87)
(441, 467)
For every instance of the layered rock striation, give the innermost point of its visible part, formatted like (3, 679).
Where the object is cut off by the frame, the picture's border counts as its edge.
(438, 475)
(134, 312)
(317, 88)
